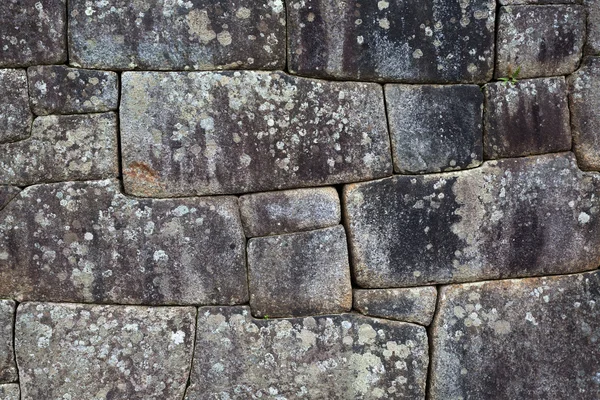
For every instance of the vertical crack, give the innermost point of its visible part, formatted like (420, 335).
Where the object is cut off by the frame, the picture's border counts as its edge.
(429, 330)
(189, 378)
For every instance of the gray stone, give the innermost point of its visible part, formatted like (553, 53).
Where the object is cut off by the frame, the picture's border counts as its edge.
(7, 193)
(33, 32)
(338, 357)
(435, 128)
(279, 132)
(410, 304)
(530, 338)
(509, 218)
(519, 2)
(167, 34)
(61, 148)
(584, 101)
(8, 369)
(539, 41)
(15, 115)
(86, 242)
(56, 89)
(525, 118)
(75, 351)
(430, 41)
(592, 45)
(300, 274)
(289, 211)
(10, 392)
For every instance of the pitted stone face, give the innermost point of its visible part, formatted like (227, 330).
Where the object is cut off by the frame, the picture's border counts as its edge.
(10, 392)
(15, 115)
(8, 368)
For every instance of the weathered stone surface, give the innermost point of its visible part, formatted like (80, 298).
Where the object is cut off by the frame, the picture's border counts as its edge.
(435, 128)
(75, 351)
(279, 132)
(584, 101)
(539, 41)
(10, 392)
(15, 115)
(8, 369)
(289, 211)
(61, 148)
(519, 2)
(410, 304)
(300, 274)
(33, 32)
(164, 34)
(56, 89)
(534, 338)
(509, 218)
(336, 357)
(592, 46)
(7, 193)
(89, 243)
(525, 118)
(397, 40)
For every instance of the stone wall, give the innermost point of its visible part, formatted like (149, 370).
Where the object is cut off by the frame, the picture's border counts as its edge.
(310, 199)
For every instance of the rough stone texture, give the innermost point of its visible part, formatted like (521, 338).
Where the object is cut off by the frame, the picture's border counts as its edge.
(542, 40)
(530, 338)
(56, 89)
(337, 357)
(592, 46)
(279, 132)
(15, 115)
(33, 32)
(509, 218)
(300, 274)
(75, 351)
(411, 304)
(529, 117)
(584, 100)
(289, 211)
(397, 40)
(89, 243)
(10, 392)
(435, 128)
(8, 369)
(7, 193)
(165, 34)
(60, 148)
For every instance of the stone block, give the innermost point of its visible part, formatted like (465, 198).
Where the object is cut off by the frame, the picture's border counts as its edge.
(420, 41)
(16, 117)
(10, 392)
(408, 304)
(8, 368)
(592, 45)
(540, 2)
(279, 132)
(86, 242)
(435, 128)
(300, 274)
(337, 357)
(7, 193)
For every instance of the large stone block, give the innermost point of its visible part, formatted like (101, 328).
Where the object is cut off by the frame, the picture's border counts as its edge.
(408, 304)
(10, 392)
(8, 368)
(510, 218)
(592, 46)
(86, 242)
(336, 357)
(60, 148)
(74, 351)
(535, 338)
(431, 41)
(7, 193)
(278, 132)
(166, 34)
(15, 115)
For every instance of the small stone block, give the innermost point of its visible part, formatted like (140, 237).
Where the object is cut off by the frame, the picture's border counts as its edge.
(10, 391)
(8, 368)
(409, 304)
(15, 115)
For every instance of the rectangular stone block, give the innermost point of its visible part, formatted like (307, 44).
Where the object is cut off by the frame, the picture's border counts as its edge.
(8, 368)
(177, 35)
(86, 242)
(10, 392)
(592, 45)
(432, 41)
(337, 357)
(76, 351)
(16, 117)
(204, 133)
(409, 304)
(510, 218)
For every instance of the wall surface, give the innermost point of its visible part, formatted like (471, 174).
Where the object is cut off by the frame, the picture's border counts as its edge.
(309, 199)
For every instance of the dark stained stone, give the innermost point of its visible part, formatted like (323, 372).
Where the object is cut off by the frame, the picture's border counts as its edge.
(32, 32)
(428, 41)
(278, 132)
(15, 115)
(525, 118)
(584, 100)
(89, 243)
(167, 34)
(435, 128)
(76, 351)
(274, 213)
(7, 193)
(592, 46)
(56, 89)
(530, 338)
(337, 357)
(509, 218)
(60, 148)
(8, 369)
(408, 304)
(539, 41)
(300, 274)
(10, 392)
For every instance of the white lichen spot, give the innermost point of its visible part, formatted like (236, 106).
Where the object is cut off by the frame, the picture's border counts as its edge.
(583, 218)
(382, 5)
(160, 255)
(88, 236)
(529, 317)
(360, 40)
(366, 334)
(384, 23)
(224, 38)
(243, 13)
(178, 337)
